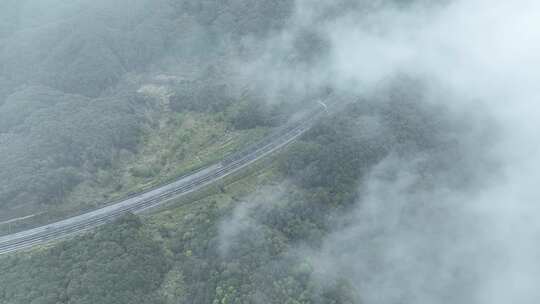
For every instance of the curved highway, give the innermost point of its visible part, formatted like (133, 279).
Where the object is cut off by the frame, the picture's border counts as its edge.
(158, 196)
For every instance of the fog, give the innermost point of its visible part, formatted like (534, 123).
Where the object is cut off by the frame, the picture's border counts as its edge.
(440, 243)
(458, 223)
(458, 247)
(80, 82)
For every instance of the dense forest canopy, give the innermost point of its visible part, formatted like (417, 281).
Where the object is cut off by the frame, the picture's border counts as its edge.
(70, 74)
(418, 185)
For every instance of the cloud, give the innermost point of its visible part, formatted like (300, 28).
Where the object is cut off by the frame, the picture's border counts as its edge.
(243, 230)
(443, 243)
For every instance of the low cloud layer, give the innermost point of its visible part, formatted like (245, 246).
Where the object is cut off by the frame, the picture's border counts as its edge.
(442, 243)
(431, 245)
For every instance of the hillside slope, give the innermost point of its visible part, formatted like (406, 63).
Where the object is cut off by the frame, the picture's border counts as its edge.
(248, 241)
(97, 101)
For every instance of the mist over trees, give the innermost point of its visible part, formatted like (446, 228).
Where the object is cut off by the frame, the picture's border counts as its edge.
(258, 250)
(418, 186)
(66, 107)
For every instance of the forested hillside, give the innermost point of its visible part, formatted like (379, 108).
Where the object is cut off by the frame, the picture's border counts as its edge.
(86, 86)
(103, 98)
(252, 240)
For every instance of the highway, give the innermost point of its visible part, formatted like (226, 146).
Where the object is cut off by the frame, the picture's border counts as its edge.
(158, 196)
